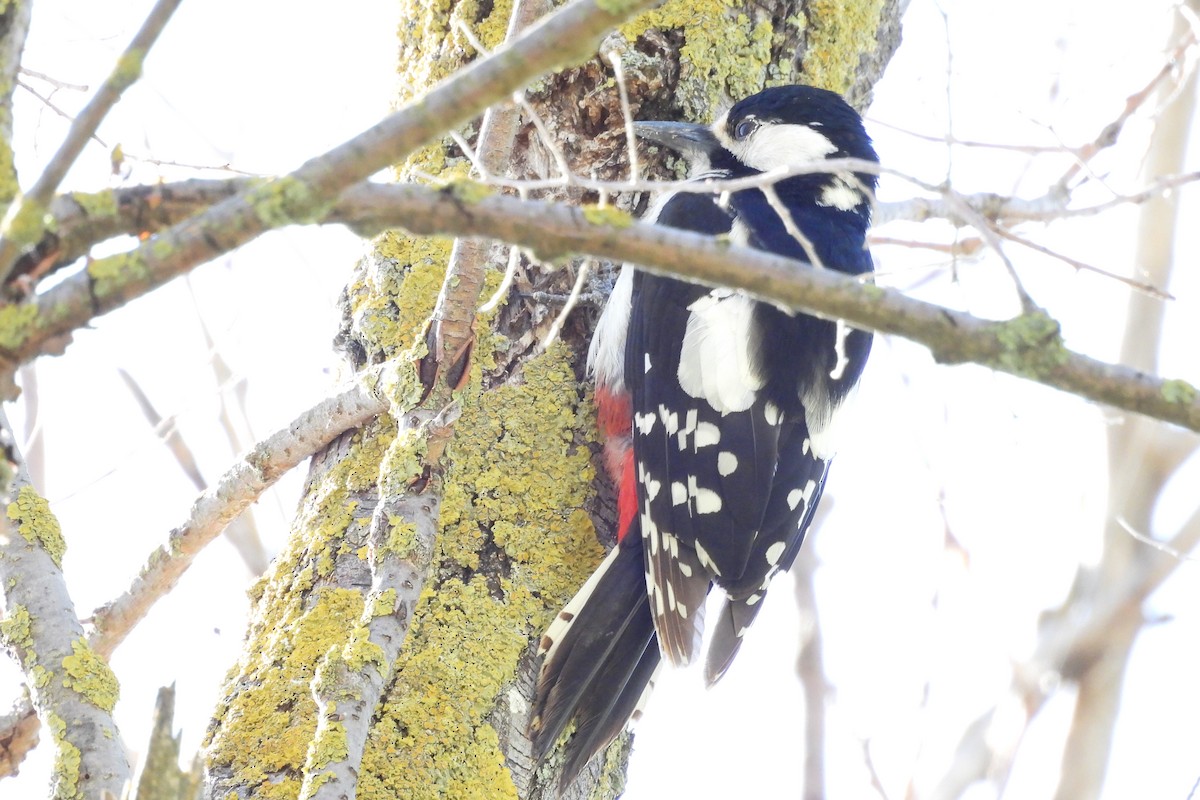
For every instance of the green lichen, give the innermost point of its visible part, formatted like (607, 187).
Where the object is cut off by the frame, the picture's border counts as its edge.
(17, 321)
(37, 523)
(9, 188)
(1032, 345)
(114, 273)
(67, 760)
(726, 54)
(97, 205)
(285, 201)
(27, 227)
(89, 675)
(128, 69)
(1179, 391)
(16, 632)
(837, 33)
(467, 191)
(610, 216)
(161, 247)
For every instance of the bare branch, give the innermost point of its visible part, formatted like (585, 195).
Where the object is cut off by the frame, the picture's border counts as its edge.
(24, 222)
(240, 486)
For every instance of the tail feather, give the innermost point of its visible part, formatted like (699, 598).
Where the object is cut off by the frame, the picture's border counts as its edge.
(736, 616)
(601, 653)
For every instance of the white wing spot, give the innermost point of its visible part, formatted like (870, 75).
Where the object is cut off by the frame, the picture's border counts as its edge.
(707, 501)
(727, 463)
(753, 599)
(647, 362)
(689, 425)
(669, 418)
(794, 497)
(678, 493)
(644, 423)
(775, 552)
(707, 434)
(652, 489)
(807, 445)
(771, 413)
(705, 560)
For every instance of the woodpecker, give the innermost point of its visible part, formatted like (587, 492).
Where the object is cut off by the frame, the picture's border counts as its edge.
(720, 415)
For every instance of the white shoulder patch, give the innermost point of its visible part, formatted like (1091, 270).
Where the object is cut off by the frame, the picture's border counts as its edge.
(826, 421)
(606, 353)
(715, 360)
(840, 195)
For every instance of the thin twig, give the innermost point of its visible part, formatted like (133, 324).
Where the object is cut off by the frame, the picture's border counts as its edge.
(614, 58)
(55, 82)
(1133, 283)
(569, 306)
(1162, 547)
(29, 210)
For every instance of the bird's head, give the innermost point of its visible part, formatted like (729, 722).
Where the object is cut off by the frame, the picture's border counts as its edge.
(778, 128)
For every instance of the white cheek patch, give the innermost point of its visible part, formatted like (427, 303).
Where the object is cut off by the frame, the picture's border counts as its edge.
(781, 146)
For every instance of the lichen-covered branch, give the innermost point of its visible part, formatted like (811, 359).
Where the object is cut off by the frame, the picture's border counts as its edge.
(1030, 346)
(24, 222)
(74, 691)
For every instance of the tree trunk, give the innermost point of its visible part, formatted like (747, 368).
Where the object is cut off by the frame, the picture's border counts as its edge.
(521, 520)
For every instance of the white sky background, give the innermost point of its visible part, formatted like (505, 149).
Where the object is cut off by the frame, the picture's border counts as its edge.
(265, 85)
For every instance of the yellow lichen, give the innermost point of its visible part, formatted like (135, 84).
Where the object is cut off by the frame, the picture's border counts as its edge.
(611, 216)
(128, 69)
(516, 472)
(16, 632)
(67, 760)
(16, 323)
(89, 675)
(117, 272)
(1179, 391)
(285, 201)
(725, 55)
(27, 227)
(37, 523)
(838, 33)
(97, 205)
(385, 603)
(272, 719)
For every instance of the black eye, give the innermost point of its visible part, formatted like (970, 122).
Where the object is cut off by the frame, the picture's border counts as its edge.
(745, 128)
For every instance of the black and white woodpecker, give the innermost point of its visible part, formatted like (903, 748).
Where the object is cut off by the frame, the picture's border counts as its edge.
(721, 415)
